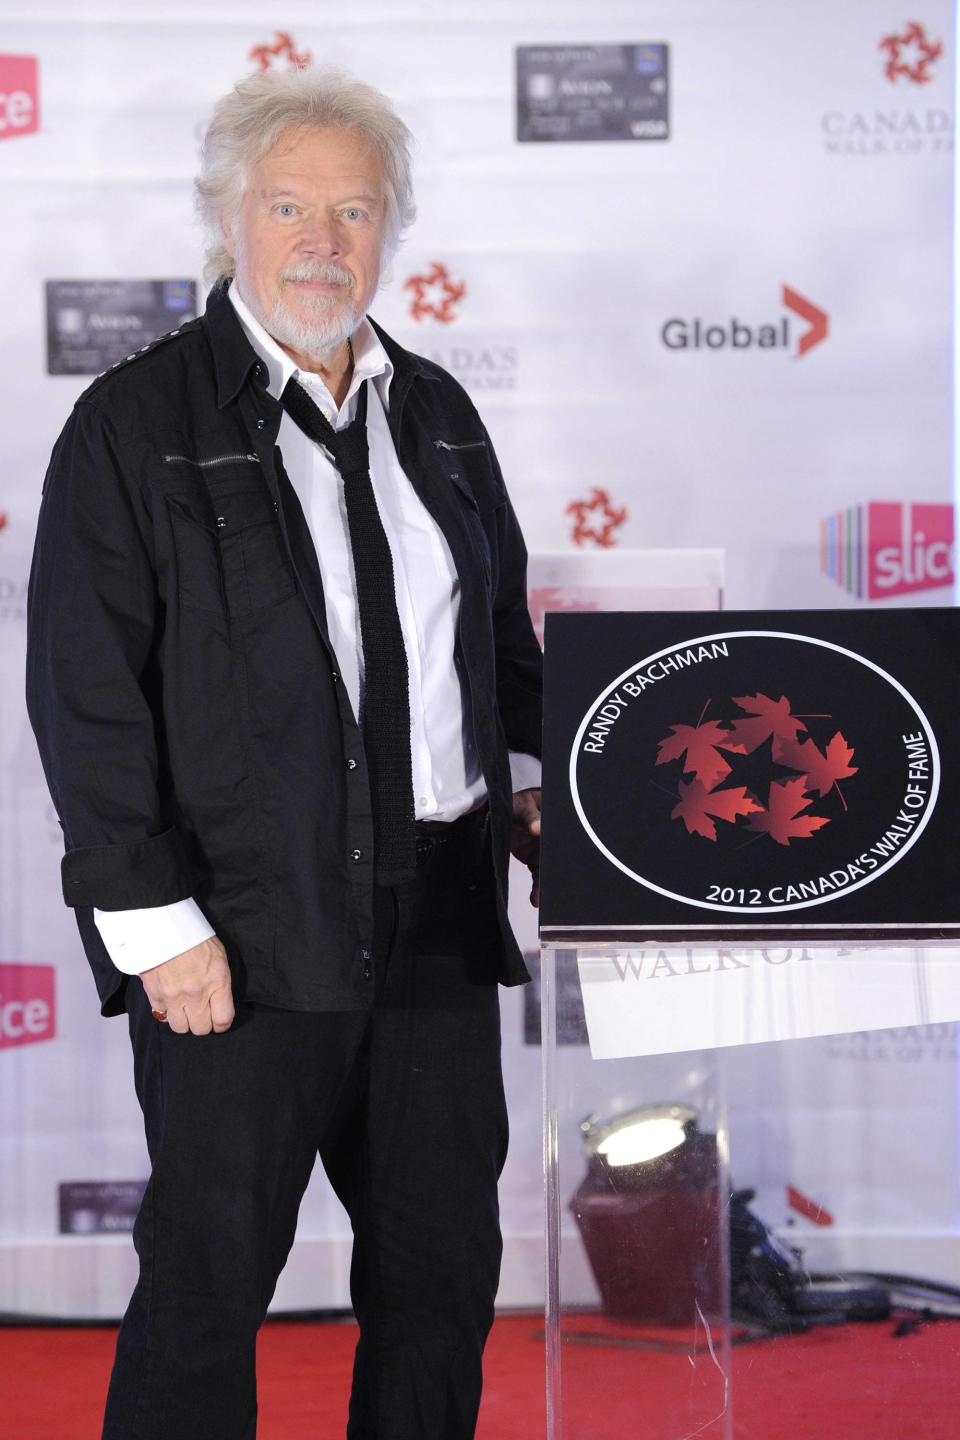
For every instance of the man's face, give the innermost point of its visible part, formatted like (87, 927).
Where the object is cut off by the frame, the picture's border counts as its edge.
(308, 237)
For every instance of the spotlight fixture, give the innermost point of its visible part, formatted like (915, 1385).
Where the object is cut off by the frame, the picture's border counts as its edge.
(650, 1215)
(639, 1135)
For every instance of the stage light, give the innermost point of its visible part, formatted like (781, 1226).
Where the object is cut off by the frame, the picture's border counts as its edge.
(640, 1135)
(650, 1215)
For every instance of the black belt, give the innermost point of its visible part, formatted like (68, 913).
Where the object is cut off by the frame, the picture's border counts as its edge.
(451, 836)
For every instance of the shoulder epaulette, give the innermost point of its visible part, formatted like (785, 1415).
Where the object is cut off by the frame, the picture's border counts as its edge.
(144, 350)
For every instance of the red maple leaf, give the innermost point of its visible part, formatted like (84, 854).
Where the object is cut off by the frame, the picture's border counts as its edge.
(822, 770)
(284, 44)
(783, 820)
(899, 48)
(765, 717)
(438, 283)
(697, 804)
(601, 507)
(699, 742)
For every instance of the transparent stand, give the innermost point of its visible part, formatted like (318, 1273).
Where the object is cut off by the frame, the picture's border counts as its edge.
(827, 1289)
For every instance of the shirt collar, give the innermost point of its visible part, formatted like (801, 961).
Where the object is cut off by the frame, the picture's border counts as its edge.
(370, 362)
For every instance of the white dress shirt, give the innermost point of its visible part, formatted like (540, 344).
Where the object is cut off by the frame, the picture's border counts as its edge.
(446, 775)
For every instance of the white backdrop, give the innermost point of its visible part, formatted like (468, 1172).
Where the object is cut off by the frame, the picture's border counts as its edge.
(802, 188)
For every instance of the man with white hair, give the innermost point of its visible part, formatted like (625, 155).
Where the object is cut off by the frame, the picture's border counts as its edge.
(287, 696)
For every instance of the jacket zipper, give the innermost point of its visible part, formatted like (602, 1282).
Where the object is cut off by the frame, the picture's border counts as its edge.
(467, 445)
(215, 460)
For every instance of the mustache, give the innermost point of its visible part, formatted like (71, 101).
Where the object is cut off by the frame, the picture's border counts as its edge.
(327, 272)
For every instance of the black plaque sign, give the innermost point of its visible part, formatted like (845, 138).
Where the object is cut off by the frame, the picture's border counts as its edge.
(751, 774)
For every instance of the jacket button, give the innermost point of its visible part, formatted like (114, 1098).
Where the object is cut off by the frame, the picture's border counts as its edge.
(260, 424)
(334, 676)
(351, 764)
(356, 855)
(221, 522)
(366, 955)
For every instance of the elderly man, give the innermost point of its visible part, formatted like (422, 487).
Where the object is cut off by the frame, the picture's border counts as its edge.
(280, 671)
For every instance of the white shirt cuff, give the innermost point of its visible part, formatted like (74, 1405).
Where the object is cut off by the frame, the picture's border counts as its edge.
(524, 771)
(136, 940)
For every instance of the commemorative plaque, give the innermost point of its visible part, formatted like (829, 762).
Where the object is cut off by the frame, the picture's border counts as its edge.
(751, 774)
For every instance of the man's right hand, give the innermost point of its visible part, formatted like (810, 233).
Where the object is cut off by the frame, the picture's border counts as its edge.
(193, 989)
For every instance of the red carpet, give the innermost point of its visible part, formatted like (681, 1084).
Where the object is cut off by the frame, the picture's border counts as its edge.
(852, 1383)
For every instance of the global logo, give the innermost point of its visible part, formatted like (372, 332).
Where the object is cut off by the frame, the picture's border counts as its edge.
(774, 772)
(19, 96)
(435, 295)
(888, 548)
(27, 1005)
(284, 48)
(910, 55)
(735, 334)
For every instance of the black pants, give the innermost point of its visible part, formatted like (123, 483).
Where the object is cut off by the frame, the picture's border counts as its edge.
(404, 1104)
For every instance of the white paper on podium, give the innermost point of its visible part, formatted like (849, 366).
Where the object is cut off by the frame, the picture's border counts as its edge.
(652, 1000)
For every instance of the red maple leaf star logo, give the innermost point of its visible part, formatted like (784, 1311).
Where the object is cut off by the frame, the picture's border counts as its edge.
(435, 294)
(283, 46)
(910, 54)
(596, 520)
(707, 796)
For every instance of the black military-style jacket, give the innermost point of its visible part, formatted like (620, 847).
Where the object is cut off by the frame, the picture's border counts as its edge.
(196, 737)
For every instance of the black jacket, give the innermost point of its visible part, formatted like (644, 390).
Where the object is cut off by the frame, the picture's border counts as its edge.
(195, 735)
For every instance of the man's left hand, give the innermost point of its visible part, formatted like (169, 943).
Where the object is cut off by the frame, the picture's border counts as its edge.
(525, 839)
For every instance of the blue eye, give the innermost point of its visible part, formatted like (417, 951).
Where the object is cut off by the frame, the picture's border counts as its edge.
(285, 209)
(354, 214)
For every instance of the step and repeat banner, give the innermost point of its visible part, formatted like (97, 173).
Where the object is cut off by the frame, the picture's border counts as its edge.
(693, 261)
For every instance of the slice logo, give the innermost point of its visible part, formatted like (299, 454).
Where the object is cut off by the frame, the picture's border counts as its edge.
(910, 54)
(888, 548)
(735, 334)
(27, 1005)
(19, 96)
(284, 48)
(435, 294)
(596, 520)
(754, 772)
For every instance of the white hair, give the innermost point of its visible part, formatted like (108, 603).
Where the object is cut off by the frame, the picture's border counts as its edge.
(248, 122)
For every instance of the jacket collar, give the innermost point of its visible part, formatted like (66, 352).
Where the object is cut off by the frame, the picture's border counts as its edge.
(234, 357)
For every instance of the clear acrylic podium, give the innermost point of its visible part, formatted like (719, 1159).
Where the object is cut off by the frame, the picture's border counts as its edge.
(751, 1241)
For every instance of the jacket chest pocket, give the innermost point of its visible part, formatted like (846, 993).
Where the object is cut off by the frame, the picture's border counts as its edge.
(229, 549)
(460, 464)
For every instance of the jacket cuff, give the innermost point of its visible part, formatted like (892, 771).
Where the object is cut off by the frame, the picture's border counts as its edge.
(154, 871)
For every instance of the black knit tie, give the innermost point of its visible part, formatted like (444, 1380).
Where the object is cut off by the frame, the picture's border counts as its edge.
(386, 701)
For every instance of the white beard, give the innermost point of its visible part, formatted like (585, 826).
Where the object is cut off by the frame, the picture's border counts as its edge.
(330, 319)
(317, 334)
